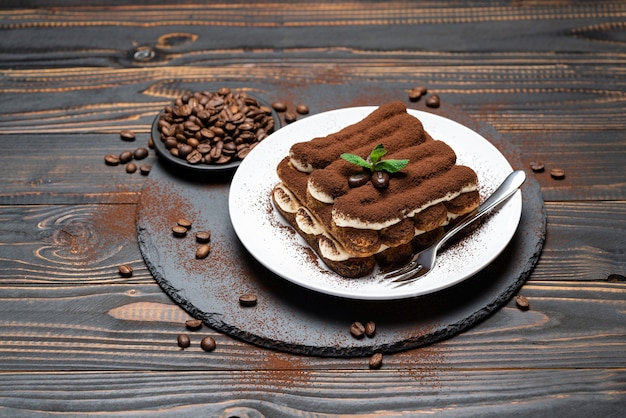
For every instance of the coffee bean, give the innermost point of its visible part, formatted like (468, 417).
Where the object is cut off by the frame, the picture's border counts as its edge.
(370, 329)
(376, 361)
(179, 231)
(357, 330)
(131, 168)
(557, 173)
(199, 121)
(302, 109)
(184, 222)
(290, 117)
(140, 153)
(380, 179)
(279, 106)
(203, 251)
(615, 278)
(537, 166)
(248, 299)
(522, 302)
(150, 143)
(126, 135)
(417, 92)
(193, 324)
(203, 236)
(145, 169)
(183, 341)
(125, 157)
(208, 343)
(359, 179)
(433, 101)
(111, 159)
(125, 270)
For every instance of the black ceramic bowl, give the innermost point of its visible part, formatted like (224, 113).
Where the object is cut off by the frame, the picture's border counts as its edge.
(165, 154)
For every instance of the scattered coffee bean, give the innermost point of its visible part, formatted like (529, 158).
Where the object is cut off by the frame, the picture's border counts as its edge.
(179, 231)
(183, 341)
(359, 179)
(290, 117)
(203, 236)
(557, 173)
(127, 135)
(522, 302)
(140, 153)
(184, 222)
(537, 166)
(208, 343)
(248, 299)
(433, 101)
(376, 361)
(417, 92)
(357, 330)
(125, 157)
(131, 168)
(111, 159)
(193, 324)
(370, 329)
(125, 270)
(279, 106)
(380, 179)
(150, 143)
(302, 109)
(145, 169)
(211, 128)
(203, 251)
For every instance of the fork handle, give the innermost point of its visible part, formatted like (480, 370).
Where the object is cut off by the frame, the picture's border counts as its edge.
(508, 187)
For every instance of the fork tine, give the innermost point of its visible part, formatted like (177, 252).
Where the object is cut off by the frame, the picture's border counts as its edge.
(409, 277)
(399, 271)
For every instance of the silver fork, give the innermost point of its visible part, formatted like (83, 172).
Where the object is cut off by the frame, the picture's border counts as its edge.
(424, 261)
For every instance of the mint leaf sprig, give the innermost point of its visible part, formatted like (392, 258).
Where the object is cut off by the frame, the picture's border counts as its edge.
(375, 162)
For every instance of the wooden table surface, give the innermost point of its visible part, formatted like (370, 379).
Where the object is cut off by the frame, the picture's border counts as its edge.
(78, 339)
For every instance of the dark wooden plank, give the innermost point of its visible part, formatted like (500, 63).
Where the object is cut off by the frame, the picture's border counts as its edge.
(276, 393)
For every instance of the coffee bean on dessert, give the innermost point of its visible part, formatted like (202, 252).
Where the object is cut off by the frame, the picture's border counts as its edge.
(203, 236)
(537, 166)
(248, 299)
(380, 179)
(203, 251)
(131, 168)
(140, 153)
(179, 231)
(125, 270)
(111, 159)
(145, 169)
(370, 329)
(183, 341)
(193, 324)
(557, 173)
(357, 329)
(359, 179)
(376, 361)
(433, 101)
(302, 109)
(184, 222)
(522, 302)
(279, 106)
(290, 117)
(208, 343)
(127, 135)
(125, 157)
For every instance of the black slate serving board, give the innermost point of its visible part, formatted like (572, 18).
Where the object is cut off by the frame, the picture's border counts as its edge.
(293, 319)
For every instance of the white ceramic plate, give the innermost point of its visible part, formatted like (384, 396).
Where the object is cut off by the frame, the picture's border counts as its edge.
(269, 239)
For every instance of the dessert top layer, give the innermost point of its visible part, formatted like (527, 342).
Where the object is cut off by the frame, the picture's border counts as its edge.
(431, 176)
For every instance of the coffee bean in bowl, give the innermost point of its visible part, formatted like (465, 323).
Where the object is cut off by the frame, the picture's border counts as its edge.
(212, 131)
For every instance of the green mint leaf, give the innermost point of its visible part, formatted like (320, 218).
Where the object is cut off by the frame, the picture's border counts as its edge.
(377, 153)
(355, 159)
(390, 166)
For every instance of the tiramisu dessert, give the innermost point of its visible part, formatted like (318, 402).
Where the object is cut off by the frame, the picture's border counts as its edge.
(374, 192)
